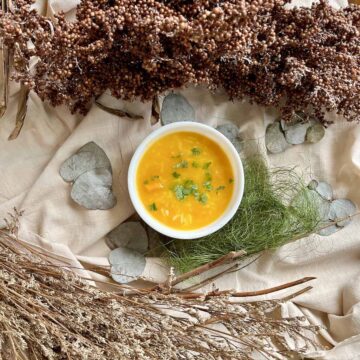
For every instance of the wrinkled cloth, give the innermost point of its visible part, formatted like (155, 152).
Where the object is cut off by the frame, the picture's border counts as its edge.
(30, 181)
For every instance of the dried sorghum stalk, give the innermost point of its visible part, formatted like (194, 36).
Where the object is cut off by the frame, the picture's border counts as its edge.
(299, 59)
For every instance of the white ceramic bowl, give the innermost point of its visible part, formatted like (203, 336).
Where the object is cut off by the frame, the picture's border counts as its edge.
(234, 159)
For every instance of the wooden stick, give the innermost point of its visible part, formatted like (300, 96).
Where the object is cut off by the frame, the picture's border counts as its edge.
(210, 279)
(273, 289)
(100, 269)
(249, 293)
(300, 292)
(201, 269)
(231, 269)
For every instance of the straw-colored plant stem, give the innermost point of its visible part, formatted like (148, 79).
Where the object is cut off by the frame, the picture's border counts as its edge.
(48, 312)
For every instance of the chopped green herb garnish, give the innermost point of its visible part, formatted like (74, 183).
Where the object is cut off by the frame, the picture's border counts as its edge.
(231, 181)
(152, 178)
(196, 151)
(219, 188)
(207, 185)
(153, 207)
(179, 192)
(188, 188)
(203, 198)
(194, 187)
(195, 164)
(176, 175)
(181, 165)
(207, 165)
(176, 156)
(208, 177)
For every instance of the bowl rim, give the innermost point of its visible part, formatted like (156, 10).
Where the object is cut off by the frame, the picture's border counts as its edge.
(230, 151)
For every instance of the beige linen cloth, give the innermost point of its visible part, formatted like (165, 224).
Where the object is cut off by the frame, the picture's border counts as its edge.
(30, 181)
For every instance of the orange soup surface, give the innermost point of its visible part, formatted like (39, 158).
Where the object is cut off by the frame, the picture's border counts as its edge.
(185, 180)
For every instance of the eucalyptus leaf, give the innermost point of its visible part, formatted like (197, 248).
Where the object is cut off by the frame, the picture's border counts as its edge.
(231, 131)
(101, 158)
(90, 171)
(296, 118)
(286, 125)
(324, 190)
(131, 235)
(274, 139)
(341, 210)
(315, 133)
(156, 242)
(296, 134)
(175, 107)
(77, 164)
(126, 265)
(322, 205)
(92, 190)
(328, 230)
(110, 244)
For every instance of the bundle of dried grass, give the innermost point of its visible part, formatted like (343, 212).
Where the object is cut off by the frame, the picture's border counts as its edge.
(49, 312)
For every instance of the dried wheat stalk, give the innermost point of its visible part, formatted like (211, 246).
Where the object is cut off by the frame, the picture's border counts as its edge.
(49, 312)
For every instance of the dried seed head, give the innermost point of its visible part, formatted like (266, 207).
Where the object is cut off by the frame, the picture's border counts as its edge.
(295, 59)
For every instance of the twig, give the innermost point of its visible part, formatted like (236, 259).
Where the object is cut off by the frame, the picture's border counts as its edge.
(21, 113)
(273, 289)
(102, 270)
(118, 112)
(300, 292)
(231, 269)
(210, 279)
(248, 293)
(201, 269)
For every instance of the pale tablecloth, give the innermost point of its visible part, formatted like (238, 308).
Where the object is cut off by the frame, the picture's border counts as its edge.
(30, 181)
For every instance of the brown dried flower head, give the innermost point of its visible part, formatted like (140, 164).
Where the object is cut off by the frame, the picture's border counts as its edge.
(294, 59)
